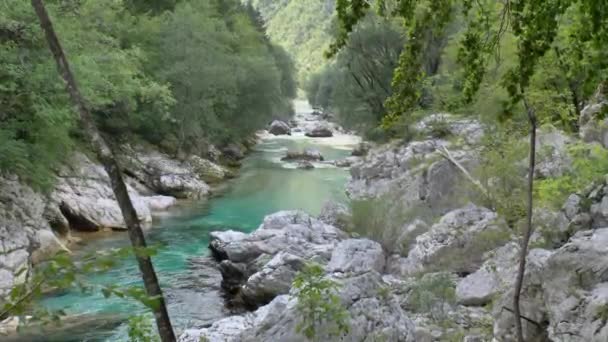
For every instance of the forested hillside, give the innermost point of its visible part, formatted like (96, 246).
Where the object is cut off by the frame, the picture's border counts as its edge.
(179, 76)
(303, 28)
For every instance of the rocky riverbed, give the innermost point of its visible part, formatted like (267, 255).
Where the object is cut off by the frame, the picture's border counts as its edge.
(445, 274)
(463, 251)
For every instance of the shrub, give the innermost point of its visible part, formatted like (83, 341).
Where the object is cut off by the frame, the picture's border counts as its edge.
(320, 310)
(439, 128)
(433, 294)
(380, 219)
(589, 164)
(502, 173)
(140, 329)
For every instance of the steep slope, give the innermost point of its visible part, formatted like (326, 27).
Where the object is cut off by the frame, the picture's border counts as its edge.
(303, 28)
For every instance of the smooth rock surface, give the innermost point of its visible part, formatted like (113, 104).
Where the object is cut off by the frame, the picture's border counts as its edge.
(278, 127)
(456, 243)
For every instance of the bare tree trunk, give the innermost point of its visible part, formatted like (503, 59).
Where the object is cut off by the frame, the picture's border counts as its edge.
(106, 157)
(528, 228)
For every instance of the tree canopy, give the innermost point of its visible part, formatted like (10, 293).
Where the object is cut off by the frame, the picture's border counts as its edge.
(483, 56)
(179, 74)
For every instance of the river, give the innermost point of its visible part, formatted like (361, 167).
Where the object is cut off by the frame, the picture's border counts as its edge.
(264, 185)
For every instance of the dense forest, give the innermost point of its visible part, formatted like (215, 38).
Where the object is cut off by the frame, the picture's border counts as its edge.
(181, 76)
(303, 28)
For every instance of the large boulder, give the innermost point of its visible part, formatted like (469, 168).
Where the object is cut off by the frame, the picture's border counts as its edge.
(335, 214)
(85, 197)
(553, 157)
(234, 152)
(346, 162)
(361, 149)
(565, 293)
(531, 302)
(371, 318)
(278, 127)
(416, 175)
(209, 171)
(480, 287)
(587, 209)
(593, 121)
(165, 175)
(261, 265)
(575, 287)
(321, 130)
(273, 279)
(24, 231)
(439, 124)
(497, 274)
(551, 228)
(305, 155)
(88, 213)
(357, 256)
(456, 243)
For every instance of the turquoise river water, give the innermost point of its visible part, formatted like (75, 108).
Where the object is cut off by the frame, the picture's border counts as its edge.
(265, 185)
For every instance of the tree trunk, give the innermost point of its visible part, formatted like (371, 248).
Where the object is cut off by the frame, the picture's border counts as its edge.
(528, 228)
(106, 157)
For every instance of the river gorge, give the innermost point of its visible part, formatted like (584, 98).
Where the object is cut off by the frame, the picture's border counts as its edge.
(265, 185)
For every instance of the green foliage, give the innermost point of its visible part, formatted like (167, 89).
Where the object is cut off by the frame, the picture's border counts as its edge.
(243, 83)
(439, 128)
(380, 219)
(501, 171)
(602, 314)
(177, 74)
(433, 294)
(322, 315)
(494, 54)
(62, 272)
(356, 85)
(140, 330)
(589, 164)
(303, 28)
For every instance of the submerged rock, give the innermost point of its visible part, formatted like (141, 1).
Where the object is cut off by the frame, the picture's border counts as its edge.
(305, 165)
(322, 130)
(159, 203)
(305, 155)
